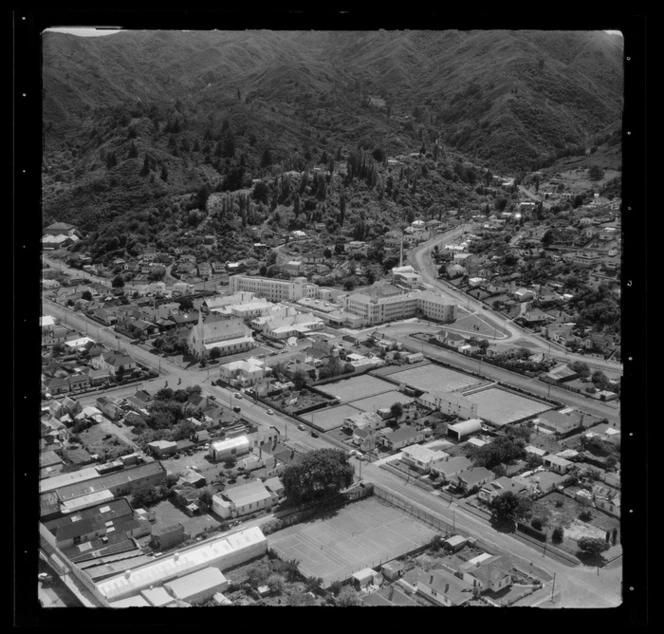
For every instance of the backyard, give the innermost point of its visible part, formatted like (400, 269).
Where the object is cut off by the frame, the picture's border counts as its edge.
(557, 509)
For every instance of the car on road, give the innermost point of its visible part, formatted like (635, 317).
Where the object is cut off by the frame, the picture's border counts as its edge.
(301, 427)
(44, 577)
(270, 412)
(213, 397)
(314, 433)
(238, 395)
(236, 409)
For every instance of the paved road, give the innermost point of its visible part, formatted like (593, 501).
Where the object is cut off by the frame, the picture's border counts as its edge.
(422, 261)
(577, 586)
(402, 332)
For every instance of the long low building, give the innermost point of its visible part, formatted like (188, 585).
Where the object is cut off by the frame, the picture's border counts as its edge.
(449, 403)
(95, 488)
(223, 553)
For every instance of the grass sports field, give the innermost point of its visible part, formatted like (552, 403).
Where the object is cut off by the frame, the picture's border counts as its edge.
(380, 401)
(433, 377)
(501, 407)
(332, 417)
(361, 535)
(356, 387)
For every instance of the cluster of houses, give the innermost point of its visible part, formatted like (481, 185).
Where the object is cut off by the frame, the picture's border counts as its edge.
(456, 582)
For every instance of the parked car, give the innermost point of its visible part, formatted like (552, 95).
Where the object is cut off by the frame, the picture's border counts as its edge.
(238, 395)
(301, 427)
(314, 433)
(270, 412)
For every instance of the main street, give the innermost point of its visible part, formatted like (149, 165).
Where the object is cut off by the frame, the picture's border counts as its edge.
(424, 264)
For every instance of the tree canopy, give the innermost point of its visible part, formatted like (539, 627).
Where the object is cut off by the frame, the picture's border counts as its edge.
(510, 507)
(317, 474)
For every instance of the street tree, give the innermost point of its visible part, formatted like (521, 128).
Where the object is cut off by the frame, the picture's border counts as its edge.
(396, 411)
(509, 507)
(592, 546)
(317, 474)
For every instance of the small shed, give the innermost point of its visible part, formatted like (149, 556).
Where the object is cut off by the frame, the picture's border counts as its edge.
(365, 577)
(455, 543)
(392, 570)
(464, 428)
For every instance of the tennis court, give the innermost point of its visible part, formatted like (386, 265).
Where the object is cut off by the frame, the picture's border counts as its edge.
(360, 535)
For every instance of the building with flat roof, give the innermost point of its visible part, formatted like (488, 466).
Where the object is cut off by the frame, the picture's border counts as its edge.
(197, 587)
(274, 290)
(377, 308)
(449, 403)
(222, 553)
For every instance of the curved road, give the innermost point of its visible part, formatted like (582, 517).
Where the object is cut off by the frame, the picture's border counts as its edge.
(422, 261)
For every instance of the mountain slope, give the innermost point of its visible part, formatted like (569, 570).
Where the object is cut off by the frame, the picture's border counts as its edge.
(186, 108)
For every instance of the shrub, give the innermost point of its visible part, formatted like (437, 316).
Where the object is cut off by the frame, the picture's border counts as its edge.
(585, 515)
(557, 535)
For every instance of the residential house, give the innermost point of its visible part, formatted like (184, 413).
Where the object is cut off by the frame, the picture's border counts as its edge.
(606, 499)
(534, 318)
(79, 382)
(99, 377)
(472, 479)
(561, 422)
(561, 374)
(394, 440)
(491, 490)
(449, 339)
(109, 409)
(443, 588)
(451, 468)
(557, 464)
(363, 420)
(489, 574)
(421, 458)
(117, 363)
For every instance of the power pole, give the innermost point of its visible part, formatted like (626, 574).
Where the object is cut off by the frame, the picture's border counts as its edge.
(553, 586)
